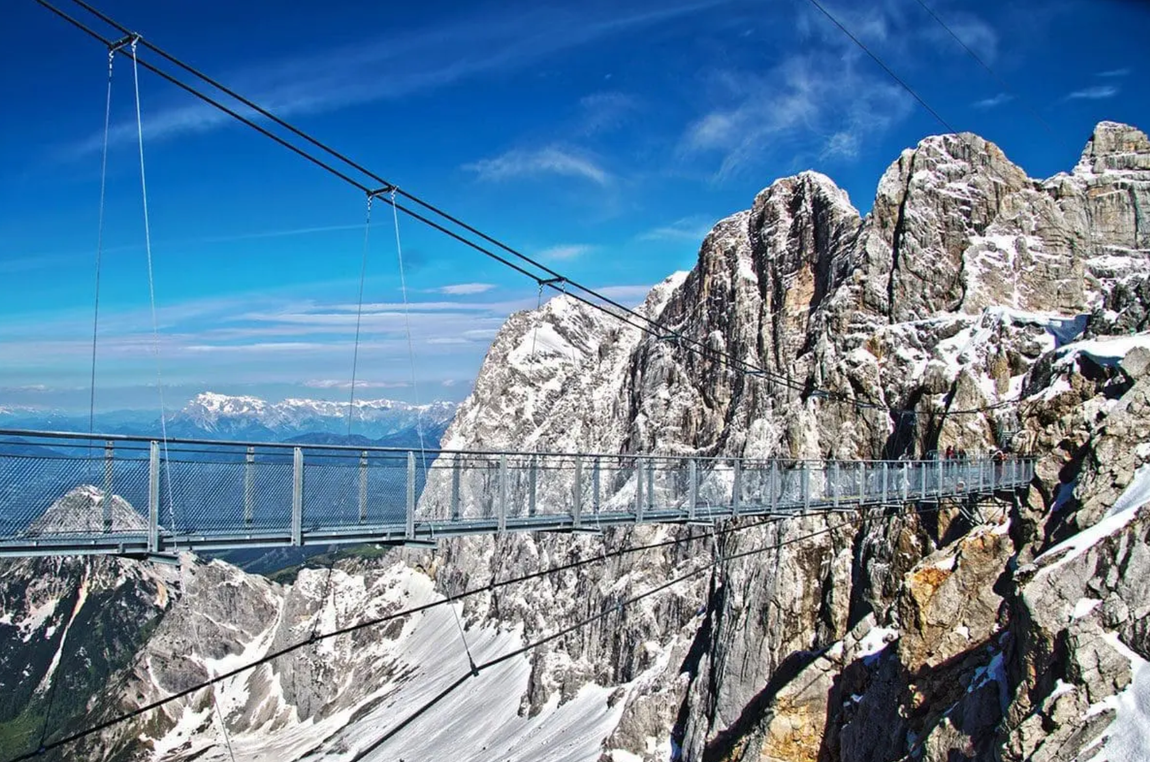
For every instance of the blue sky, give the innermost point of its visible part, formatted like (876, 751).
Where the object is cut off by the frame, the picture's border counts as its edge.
(603, 137)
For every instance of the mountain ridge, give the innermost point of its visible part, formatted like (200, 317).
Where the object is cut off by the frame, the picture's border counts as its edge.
(932, 631)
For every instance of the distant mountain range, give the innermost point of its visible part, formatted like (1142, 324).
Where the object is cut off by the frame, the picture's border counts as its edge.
(219, 416)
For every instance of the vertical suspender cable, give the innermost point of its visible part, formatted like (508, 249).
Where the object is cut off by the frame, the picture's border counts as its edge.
(152, 286)
(358, 316)
(156, 350)
(100, 242)
(407, 325)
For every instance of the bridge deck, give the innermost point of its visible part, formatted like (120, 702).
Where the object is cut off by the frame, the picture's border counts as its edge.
(66, 494)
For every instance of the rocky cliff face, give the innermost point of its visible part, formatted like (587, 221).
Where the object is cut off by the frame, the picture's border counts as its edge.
(963, 291)
(973, 307)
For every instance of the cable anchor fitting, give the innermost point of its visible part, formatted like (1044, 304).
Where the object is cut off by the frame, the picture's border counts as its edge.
(387, 190)
(128, 40)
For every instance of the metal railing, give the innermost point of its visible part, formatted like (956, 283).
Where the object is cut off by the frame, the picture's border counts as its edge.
(70, 493)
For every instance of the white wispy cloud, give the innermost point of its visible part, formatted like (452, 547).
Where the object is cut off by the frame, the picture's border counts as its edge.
(843, 144)
(1098, 92)
(465, 289)
(550, 160)
(565, 251)
(806, 96)
(1113, 73)
(693, 229)
(331, 383)
(416, 61)
(628, 295)
(994, 101)
(605, 111)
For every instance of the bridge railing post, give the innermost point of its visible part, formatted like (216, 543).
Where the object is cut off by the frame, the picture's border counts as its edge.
(577, 497)
(692, 488)
(652, 465)
(736, 486)
(109, 472)
(409, 516)
(297, 497)
(835, 483)
(941, 475)
(773, 485)
(885, 480)
(455, 476)
(532, 481)
(922, 476)
(501, 516)
(362, 486)
(639, 476)
(806, 486)
(249, 485)
(153, 498)
(595, 485)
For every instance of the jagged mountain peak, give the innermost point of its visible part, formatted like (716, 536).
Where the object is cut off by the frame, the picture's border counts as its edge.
(1115, 147)
(216, 413)
(82, 510)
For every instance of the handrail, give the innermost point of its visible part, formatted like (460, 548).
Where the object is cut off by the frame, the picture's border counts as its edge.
(356, 450)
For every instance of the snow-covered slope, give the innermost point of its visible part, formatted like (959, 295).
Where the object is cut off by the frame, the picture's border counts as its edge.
(225, 415)
(931, 633)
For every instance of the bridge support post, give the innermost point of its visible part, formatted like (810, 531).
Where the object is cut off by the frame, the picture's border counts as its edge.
(773, 485)
(835, 484)
(885, 480)
(153, 497)
(736, 486)
(595, 486)
(297, 497)
(941, 479)
(249, 485)
(532, 480)
(409, 528)
(639, 490)
(577, 497)
(455, 487)
(502, 516)
(650, 471)
(109, 470)
(363, 486)
(922, 466)
(806, 487)
(692, 488)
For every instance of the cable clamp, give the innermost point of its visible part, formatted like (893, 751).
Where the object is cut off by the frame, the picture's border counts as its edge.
(384, 191)
(549, 281)
(129, 40)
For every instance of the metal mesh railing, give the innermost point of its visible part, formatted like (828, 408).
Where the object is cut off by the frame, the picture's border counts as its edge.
(60, 492)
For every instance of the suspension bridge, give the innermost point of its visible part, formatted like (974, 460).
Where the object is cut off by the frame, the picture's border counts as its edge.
(78, 494)
(85, 493)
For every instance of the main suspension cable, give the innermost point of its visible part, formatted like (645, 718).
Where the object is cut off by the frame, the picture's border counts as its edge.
(358, 316)
(588, 296)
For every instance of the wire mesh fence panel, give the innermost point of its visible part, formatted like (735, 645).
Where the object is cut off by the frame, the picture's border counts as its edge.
(817, 483)
(330, 494)
(555, 486)
(129, 489)
(48, 496)
(716, 485)
(386, 493)
(272, 490)
(205, 497)
(667, 483)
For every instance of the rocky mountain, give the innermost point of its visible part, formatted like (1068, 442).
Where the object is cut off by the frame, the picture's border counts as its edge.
(221, 415)
(973, 307)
